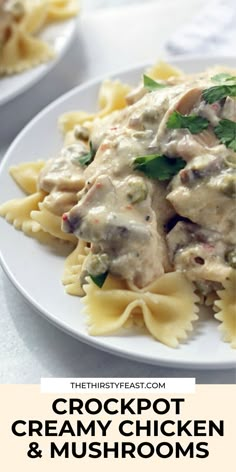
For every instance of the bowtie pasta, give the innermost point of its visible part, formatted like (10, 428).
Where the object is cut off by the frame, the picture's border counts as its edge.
(20, 22)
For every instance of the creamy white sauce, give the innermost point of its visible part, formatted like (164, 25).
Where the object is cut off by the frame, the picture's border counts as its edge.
(63, 179)
(123, 213)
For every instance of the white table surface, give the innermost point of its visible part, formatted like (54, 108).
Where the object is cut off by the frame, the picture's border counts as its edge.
(107, 40)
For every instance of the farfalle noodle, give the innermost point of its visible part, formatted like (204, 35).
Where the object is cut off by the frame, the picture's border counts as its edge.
(26, 175)
(162, 70)
(227, 310)
(51, 223)
(59, 10)
(167, 314)
(73, 269)
(20, 48)
(18, 211)
(23, 52)
(111, 97)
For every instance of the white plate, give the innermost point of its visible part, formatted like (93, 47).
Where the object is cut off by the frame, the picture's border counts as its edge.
(59, 36)
(36, 271)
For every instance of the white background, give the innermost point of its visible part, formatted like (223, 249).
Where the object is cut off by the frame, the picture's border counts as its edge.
(107, 39)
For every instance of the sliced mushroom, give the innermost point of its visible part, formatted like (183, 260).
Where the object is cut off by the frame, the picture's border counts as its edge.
(229, 109)
(188, 100)
(136, 94)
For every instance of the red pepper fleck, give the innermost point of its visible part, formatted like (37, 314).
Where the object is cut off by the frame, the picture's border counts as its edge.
(99, 185)
(215, 106)
(184, 176)
(208, 247)
(113, 128)
(65, 217)
(129, 207)
(104, 147)
(96, 220)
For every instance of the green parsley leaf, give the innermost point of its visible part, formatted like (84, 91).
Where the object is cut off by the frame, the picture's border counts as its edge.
(87, 158)
(158, 167)
(151, 84)
(226, 132)
(223, 77)
(216, 93)
(194, 123)
(99, 279)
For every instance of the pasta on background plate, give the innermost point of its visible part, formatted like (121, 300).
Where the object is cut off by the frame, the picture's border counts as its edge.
(20, 23)
(143, 194)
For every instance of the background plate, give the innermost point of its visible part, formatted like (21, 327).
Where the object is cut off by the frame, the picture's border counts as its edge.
(36, 270)
(59, 36)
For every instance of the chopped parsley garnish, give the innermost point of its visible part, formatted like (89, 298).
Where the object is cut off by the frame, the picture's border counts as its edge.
(159, 167)
(223, 77)
(216, 93)
(226, 88)
(151, 84)
(99, 279)
(87, 158)
(226, 132)
(194, 123)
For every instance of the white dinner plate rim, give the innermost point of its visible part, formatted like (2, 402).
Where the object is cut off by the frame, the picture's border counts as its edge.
(98, 342)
